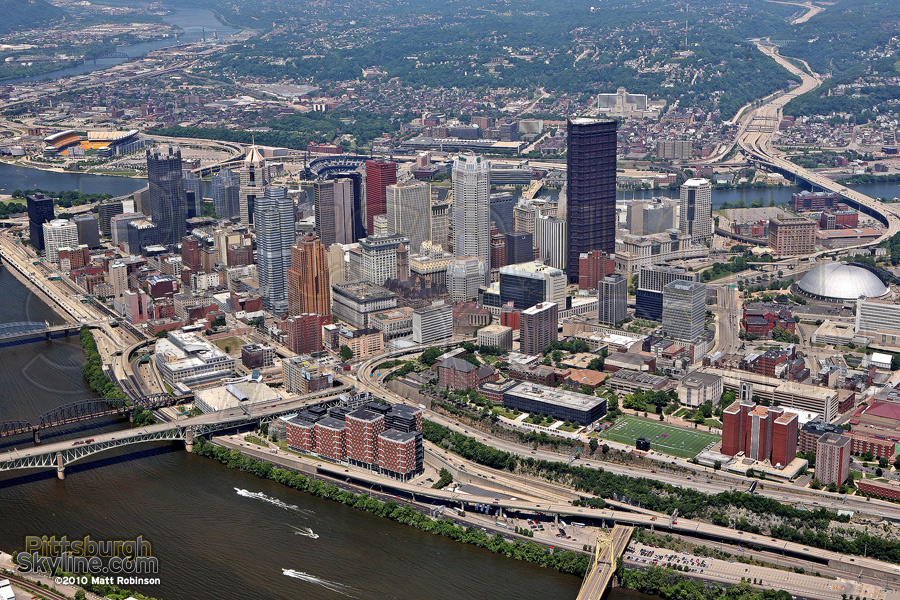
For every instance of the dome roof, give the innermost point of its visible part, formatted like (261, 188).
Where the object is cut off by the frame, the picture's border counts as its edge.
(841, 281)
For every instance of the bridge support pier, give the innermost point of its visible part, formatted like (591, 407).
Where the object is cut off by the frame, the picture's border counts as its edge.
(60, 466)
(189, 440)
(37, 437)
(131, 416)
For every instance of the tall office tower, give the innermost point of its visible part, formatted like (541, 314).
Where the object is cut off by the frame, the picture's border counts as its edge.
(408, 211)
(684, 310)
(651, 281)
(612, 293)
(118, 278)
(58, 233)
(402, 262)
(519, 247)
(105, 212)
(167, 200)
(471, 209)
(88, 230)
(464, 276)
(695, 206)
(525, 212)
(378, 260)
(309, 286)
(655, 216)
(193, 193)
(226, 193)
(40, 211)
(550, 238)
(593, 267)
(538, 327)
(502, 205)
(190, 253)
(498, 248)
(119, 227)
(527, 284)
(273, 219)
(590, 188)
(253, 184)
(337, 267)
(334, 211)
(379, 174)
(440, 224)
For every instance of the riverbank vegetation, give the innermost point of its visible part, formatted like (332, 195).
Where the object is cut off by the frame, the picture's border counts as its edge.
(564, 561)
(671, 585)
(101, 384)
(745, 512)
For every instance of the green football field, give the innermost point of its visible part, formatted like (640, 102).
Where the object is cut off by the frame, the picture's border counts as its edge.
(677, 441)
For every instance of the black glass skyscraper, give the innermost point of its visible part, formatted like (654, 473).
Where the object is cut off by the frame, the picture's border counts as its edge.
(168, 204)
(40, 211)
(591, 188)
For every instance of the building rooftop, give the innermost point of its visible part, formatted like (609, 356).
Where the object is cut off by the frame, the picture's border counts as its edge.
(556, 396)
(834, 439)
(396, 435)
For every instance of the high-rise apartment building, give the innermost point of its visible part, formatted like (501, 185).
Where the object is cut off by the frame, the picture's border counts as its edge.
(833, 459)
(591, 188)
(308, 284)
(253, 184)
(379, 175)
(118, 277)
(695, 210)
(58, 233)
(761, 433)
(471, 209)
(791, 235)
(538, 327)
(432, 324)
(168, 204)
(408, 211)
(550, 239)
(612, 293)
(684, 310)
(274, 222)
(303, 332)
(226, 192)
(40, 211)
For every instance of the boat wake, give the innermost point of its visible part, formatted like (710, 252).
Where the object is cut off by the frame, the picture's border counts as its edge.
(270, 500)
(333, 586)
(306, 531)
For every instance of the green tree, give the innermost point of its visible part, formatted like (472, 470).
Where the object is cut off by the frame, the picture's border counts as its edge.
(346, 353)
(593, 444)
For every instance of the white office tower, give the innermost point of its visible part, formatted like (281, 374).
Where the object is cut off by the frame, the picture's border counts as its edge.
(695, 207)
(253, 183)
(472, 209)
(550, 239)
(59, 233)
(684, 310)
(274, 223)
(409, 211)
(464, 276)
(118, 278)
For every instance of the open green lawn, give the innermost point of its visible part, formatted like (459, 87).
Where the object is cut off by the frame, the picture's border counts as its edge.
(234, 344)
(677, 441)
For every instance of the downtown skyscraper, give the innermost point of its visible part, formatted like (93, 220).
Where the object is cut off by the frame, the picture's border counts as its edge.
(168, 204)
(472, 209)
(379, 174)
(309, 288)
(591, 188)
(273, 219)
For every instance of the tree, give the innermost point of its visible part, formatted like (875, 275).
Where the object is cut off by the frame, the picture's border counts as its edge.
(605, 449)
(816, 484)
(878, 472)
(717, 465)
(882, 462)
(593, 445)
(79, 595)
(346, 353)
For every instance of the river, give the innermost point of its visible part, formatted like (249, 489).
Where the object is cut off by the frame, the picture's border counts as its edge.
(195, 23)
(211, 542)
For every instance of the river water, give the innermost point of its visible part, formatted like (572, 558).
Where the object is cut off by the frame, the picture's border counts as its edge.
(195, 23)
(211, 542)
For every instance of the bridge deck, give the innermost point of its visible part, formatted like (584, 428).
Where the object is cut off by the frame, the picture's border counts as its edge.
(609, 549)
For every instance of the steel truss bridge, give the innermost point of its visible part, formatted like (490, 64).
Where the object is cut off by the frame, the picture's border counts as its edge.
(83, 410)
(45, 457)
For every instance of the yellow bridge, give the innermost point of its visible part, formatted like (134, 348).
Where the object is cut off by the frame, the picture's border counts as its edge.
(533, 189)
(610, 545)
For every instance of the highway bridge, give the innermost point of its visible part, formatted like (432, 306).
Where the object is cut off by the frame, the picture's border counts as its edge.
(23, 332)
(610, 546)
(84, 410)
(60, 454)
